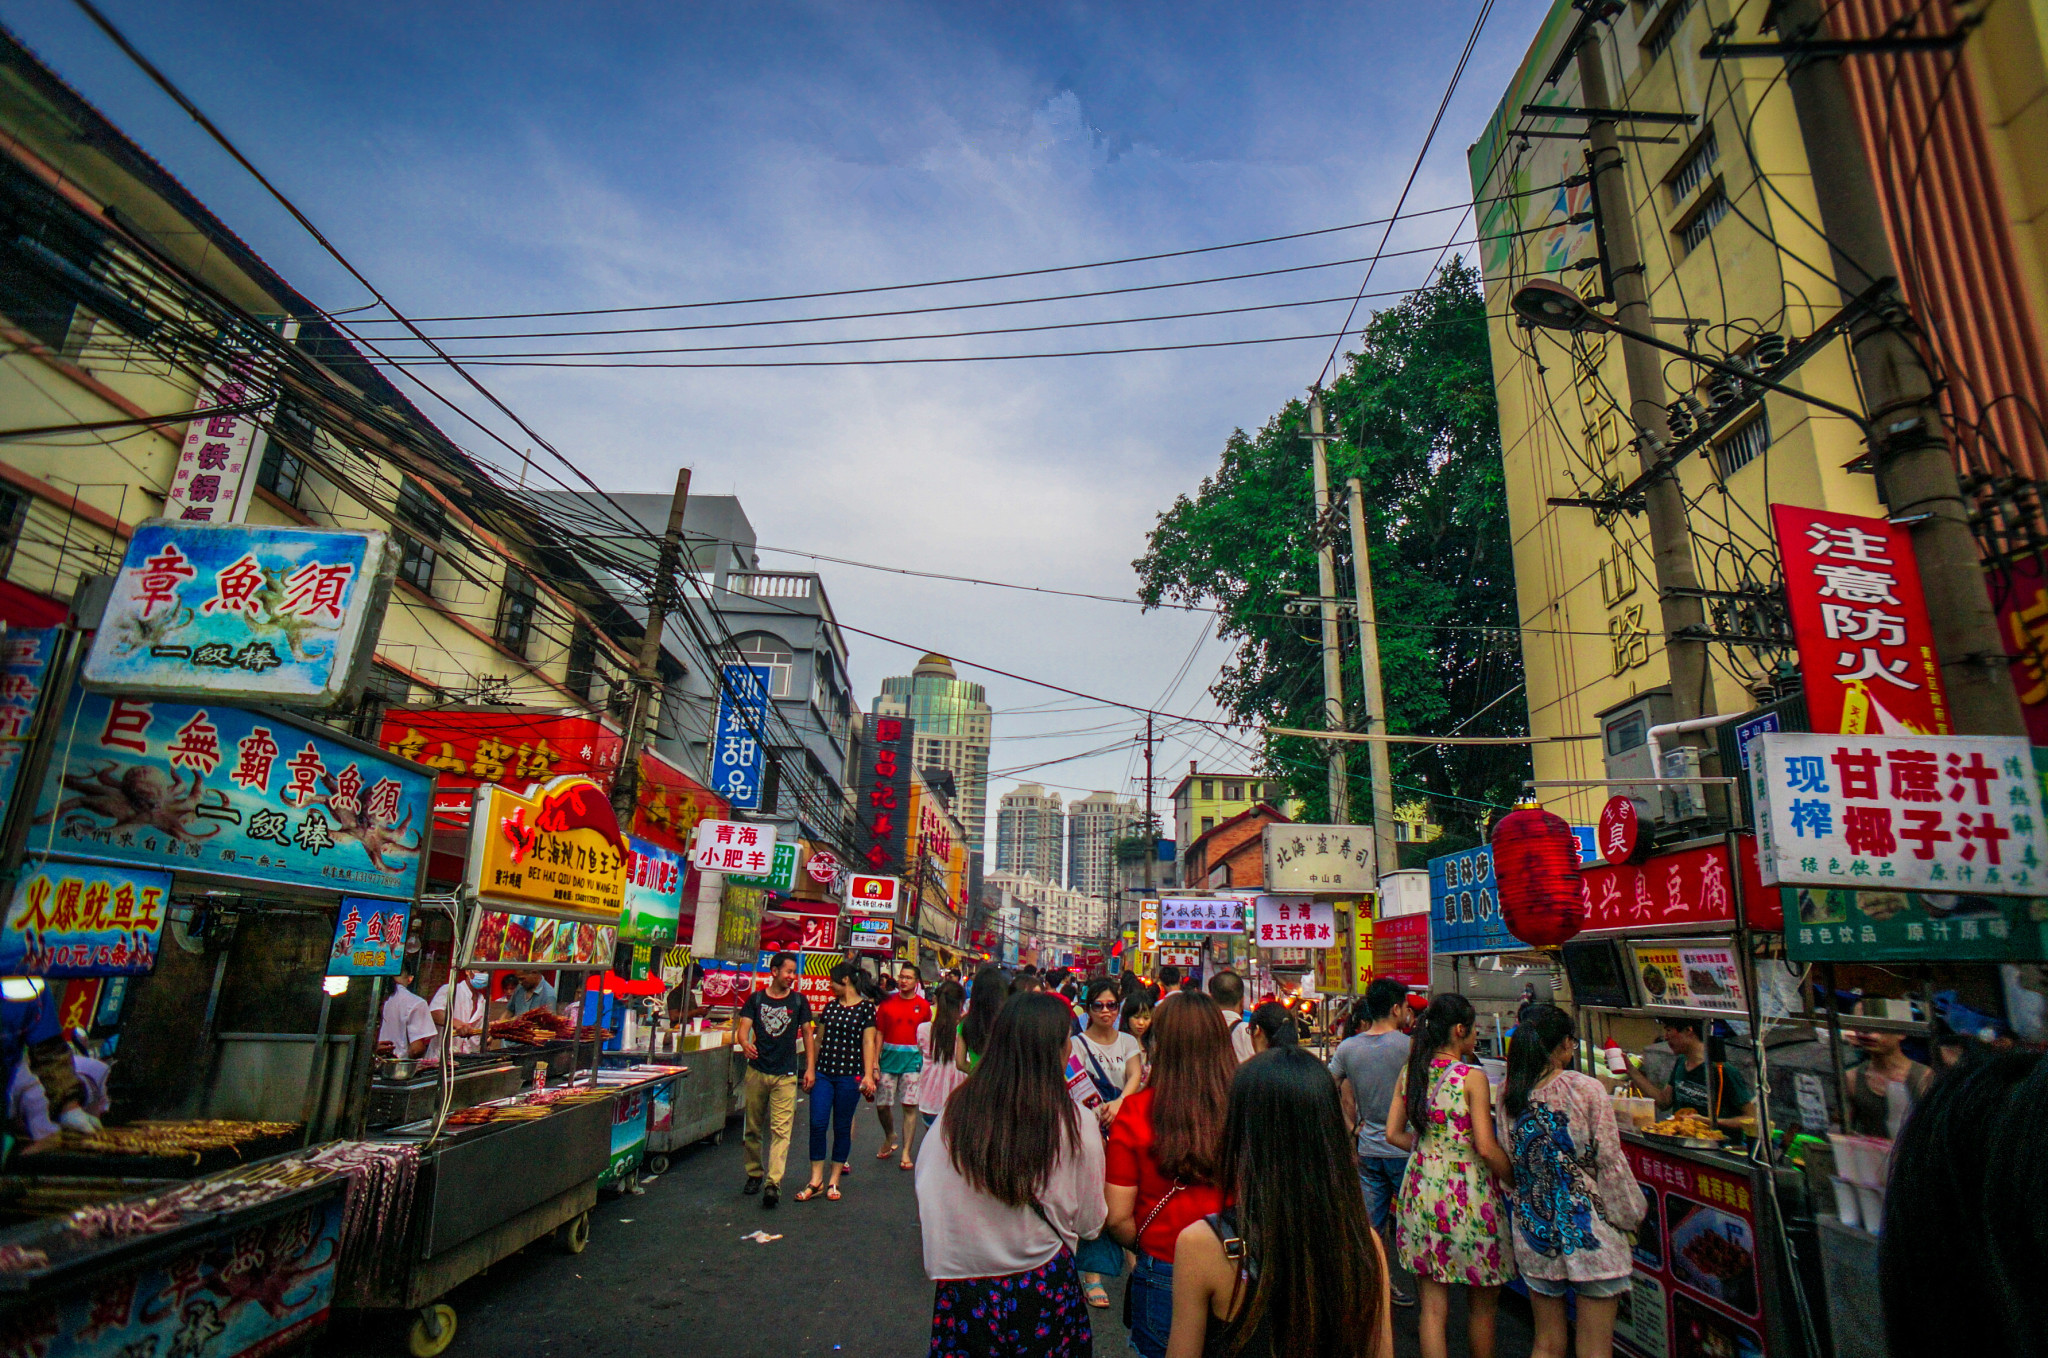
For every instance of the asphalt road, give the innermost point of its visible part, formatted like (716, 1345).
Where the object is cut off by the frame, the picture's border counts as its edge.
(669, 1271)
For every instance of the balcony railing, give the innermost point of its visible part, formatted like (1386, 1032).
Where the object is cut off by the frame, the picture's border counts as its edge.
(765, 585)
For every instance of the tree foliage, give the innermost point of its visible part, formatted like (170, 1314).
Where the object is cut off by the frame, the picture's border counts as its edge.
(1413, 416)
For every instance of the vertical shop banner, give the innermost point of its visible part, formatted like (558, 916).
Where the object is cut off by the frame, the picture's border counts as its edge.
(739, 751)
(70, 919)
(1318, 857)
(739, 922)
(2019, 595)
(1294, 922)
(882, 795)
(369, 937)
(217, 464)
(231, 793)
(1148, 929)
(1866, 651)
(467, 748)
(1913, 813)
(1364, 936)
(242, 613)
(1696, 1289)
(25, 656)
(654, 893)
(1400, 949)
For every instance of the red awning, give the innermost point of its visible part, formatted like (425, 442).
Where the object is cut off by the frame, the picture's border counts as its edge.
(25, 608)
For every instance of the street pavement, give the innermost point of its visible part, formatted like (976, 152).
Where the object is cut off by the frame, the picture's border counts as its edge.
(668, 1272)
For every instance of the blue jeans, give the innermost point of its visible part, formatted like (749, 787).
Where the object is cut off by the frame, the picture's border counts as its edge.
(1380, 1175)
(1151, 1299)
(1100, 1255)
(834, 1099)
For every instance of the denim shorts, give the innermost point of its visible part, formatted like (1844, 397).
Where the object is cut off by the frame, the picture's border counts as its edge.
(1597, 1289)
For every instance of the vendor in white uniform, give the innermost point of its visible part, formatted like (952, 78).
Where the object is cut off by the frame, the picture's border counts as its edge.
(407, 1025)
(472, 1004)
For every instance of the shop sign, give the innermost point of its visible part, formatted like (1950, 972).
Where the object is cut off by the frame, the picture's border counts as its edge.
(216, 472)
(1620, 832)
(1464, 904)
(782, 875)
(872, 935)
(25, 656)
(1284, 921)
(939, 926)
(69, 919)
(881, 799)
(1907, 813)
(468, 748)
(782, 931)
(1696, 1286)
(725, 985)
(2019, 594)
(654, 893)
(1685, 975)
(739, 749)
(369, 937)
(1148, 926)
(872, 895)
(824, 867)
(1400, 949)
(1332, 961)
(739, 921)
(1866, 650)
(242, 613)
(81, 1003)
(230, 793)
(1838, 925)
(1680, 889)
(1364, 937)
(735, 846)
(1180, 957)
(1201, 915)
(670, 803)
(555, 851)
(1318, 857)
(813, 977)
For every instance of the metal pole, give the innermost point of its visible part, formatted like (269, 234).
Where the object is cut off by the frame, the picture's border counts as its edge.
(647, 672)
(1385, 857)
(1326, 590)
(1151, 825)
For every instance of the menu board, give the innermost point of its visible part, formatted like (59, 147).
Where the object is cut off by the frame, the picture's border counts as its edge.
(1696, 1289)
(1690, 975)
(500, 940)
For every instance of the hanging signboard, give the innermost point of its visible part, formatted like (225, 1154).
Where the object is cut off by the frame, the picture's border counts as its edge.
(468, 747)
(1911, 813)
(231, 793)
(216, 472)
(555, 850)
(1148, 927)
(1464, 903)
(1201, 915)
(867, 895)
(881, 798)
(872, 935)
(1687, 975)
(1680, 888)
(813, 977)
(1866, 651)
(25, 655)
(1839, 925)
(1400, 949)
(733, 846)
(669, 803)
(500, 940)
(1294, 922)
(739, 752)
(246, 613)
(369, 937)
(782, 875)
(1322, 858)
(71, 919)
(654, 893)
(1364, 931)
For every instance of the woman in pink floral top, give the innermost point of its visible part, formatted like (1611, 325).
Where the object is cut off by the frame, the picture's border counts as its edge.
(1451, 1228)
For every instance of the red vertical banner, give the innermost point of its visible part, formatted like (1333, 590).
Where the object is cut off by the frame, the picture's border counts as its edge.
(2019, 593)
(1866, 652)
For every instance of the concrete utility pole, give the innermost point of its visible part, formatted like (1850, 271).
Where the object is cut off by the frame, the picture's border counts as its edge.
(1683, 612)
(1151, 826)
(1916, 473)
(1326, 590)
(647, 672)
(1386, 858)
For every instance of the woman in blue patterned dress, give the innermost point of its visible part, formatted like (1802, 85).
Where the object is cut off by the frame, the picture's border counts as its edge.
(1575, 1197)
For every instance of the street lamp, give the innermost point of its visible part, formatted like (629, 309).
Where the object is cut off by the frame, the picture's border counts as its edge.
(1550, 305)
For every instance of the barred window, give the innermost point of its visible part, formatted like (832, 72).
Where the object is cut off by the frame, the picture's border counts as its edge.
(1737, 450)
(1700, 224)
(1692, 171)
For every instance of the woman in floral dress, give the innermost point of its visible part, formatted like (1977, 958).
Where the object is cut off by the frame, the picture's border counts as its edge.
(1451, 1227)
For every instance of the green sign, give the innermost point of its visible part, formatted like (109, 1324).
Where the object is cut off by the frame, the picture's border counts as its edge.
(1837, 925)
(781, 874)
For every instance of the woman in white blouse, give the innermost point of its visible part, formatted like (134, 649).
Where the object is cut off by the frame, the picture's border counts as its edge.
(1009, 1181)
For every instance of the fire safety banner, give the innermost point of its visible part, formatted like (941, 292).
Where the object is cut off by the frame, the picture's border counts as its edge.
(882, 794)
(1866, 651)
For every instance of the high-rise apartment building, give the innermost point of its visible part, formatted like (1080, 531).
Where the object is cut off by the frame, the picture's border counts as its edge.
(1031, 832)
(1094, 825)
(952, 719)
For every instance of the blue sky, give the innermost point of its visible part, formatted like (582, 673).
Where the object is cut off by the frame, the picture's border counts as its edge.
(518, 157)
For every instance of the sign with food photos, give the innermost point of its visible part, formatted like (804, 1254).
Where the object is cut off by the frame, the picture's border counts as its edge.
(500, 940)
(1899, 813)
(1834, 924)
(1201, 915)
(75, 919)
(1696, 1287)
(1686, 975)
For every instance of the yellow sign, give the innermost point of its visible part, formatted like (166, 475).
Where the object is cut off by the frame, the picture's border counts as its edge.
(554, 850)
(1148, 929)
(1361, 946)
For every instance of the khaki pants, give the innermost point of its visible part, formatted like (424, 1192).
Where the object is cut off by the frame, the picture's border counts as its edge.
(771, 1107)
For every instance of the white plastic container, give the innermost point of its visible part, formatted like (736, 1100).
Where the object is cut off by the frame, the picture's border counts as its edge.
(1846, 1206)
(1870, 1206)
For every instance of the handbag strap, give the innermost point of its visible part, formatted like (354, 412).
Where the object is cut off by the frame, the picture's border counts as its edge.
(1159, 1207)
(1102, 1081)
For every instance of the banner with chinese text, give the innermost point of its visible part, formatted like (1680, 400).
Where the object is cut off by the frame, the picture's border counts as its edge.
(25, 655)
(369, 937)
(1400, 949)
(70, 919)
(654, 893)
(1681, 887)
(1697, 1284)
(1294, 922)
(1201, 915)
(1689, 975)
(881, 803)
(739, 750)
(1464, 904)
(468, 748)
(1839, 925)
(1318, 857)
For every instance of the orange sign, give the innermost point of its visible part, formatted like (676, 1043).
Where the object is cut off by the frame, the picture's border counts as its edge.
(555, 850)
(670, 803)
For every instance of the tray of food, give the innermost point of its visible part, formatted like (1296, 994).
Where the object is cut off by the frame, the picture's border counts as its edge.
(1688, 1128)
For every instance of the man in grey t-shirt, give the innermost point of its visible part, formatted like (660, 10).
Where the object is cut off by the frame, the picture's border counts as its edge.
(1368, 1068)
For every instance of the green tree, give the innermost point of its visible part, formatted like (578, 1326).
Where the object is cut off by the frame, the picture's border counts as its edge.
(1413, 416)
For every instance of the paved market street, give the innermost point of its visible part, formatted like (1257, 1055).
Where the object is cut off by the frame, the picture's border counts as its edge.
(668, 1272)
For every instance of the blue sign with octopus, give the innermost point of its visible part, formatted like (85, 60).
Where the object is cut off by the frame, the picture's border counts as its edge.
(231, 793)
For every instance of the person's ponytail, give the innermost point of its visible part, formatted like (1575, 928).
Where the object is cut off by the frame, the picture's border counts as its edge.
(1446, 1013)
(1543, 1026)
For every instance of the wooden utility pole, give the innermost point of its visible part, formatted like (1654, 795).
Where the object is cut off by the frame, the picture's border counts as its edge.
(647, 672)
(1326, 590)
(1386, 858)
(1916, 472)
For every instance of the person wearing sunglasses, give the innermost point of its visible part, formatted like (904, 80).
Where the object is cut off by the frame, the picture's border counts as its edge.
(1113, 1060)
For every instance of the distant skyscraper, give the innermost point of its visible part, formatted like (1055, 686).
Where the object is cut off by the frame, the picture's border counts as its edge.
(1094, 824)
(1031, 832)
(952, 718)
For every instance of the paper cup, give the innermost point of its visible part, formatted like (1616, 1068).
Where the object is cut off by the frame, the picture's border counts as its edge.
(1846, 1206)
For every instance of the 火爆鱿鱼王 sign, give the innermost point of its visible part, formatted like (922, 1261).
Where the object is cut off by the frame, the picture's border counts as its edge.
(73, 919)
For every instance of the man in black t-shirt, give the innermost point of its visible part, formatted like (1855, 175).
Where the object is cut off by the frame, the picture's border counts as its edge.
(1712, 1088)
(770, 1024)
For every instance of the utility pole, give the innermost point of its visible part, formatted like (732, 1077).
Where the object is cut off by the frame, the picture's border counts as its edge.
(1916, 473)
(1326, 591)
(1151, 825)
(647, 673)
(1386, 858)
(1684, 612)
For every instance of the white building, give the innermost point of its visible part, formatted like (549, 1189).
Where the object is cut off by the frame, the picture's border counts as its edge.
(1031, 832)
(1094, 825)
(1067, 919)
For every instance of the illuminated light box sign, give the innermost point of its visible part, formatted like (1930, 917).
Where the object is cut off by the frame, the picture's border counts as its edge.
(1464, 900)
(1201, 915)
(501, 940)
(734, 846)
(369, 937)
(1318, 857)
(654, 892)
(73, 919)
(1294, 922)
(555, 850)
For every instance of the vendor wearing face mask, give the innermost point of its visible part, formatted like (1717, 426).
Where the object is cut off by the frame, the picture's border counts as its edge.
(472, 1005)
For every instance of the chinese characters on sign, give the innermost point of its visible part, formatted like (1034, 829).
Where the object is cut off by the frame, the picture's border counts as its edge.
(1464, 904)
(466, 748)
(1838, 925)
(739, 754)
(369, 937)
(2019, 593)
(654, 893)
(1686, 886)
(216, 471)
(1912, 813)
(68, 919)
(24, 666)
(1201, 915)
(1400, 949)
(557, 852)
(881, 804)
(1690, 976)
(241, 613)
(1294, 922)
(1695, 1287)
(872, 895)
(736, 846)
(1318, 857)
(781, 874)
(1866, 652)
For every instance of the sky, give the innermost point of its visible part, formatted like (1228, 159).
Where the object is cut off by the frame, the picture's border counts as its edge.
(520, 157)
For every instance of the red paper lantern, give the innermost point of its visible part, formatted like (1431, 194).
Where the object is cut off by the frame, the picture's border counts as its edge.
(1536, 869)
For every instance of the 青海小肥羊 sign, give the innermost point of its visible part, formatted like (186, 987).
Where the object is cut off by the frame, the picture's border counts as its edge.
(74, 919)
(232, 793)
(369, 937)
(239, 612)
(735, 846)
(1899, 813)
(553, 851)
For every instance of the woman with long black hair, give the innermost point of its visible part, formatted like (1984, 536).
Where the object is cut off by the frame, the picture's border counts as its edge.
(1451, 1226)
(1575, 1196)
(1008, 1184)
(984, 1000)
(1293, 1267)
(936, 1042)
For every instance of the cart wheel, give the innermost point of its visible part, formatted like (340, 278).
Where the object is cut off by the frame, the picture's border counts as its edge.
(433, 1332)
(629, 1183)
(574, 1236)
(657, 1164)
(717, 1138)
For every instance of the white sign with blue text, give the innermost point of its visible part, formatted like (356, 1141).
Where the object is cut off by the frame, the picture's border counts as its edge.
(739, 759)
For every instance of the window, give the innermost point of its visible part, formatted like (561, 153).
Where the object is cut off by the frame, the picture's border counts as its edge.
(1208, 789)
(1400, 830)
(420, 509)
(1233, 792)
(282, 473)
(1208, 824)
(388, 685)
(1667, 27)
(1744, 446)
(1692, 171)
(762, 649)
(516, 613)
(1695, 228)
(416, 562)
(583, 677)
(1625, 733)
